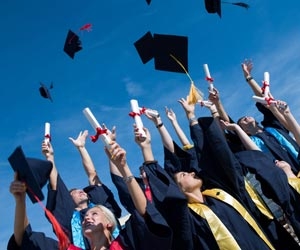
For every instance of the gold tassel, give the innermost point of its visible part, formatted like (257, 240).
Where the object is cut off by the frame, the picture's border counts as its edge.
(195, 94)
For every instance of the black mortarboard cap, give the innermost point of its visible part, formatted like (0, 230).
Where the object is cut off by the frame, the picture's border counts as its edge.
(72, 44)
(45, 92)
(144, 47)
(167, 45)
(213, 6)
(34, 172)
(148, 2)
(181, 160)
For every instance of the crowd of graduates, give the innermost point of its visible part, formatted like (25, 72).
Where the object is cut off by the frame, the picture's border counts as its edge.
(226, 185)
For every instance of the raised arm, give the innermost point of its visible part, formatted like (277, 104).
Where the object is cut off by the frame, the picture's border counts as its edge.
(294, 126)
(217, 109)
(164, 134)
(144, 144)
(87, 162)
(48, 152)
(247, 67)
(118, 156)
(245, 139)
(18, 190)
(181, 135)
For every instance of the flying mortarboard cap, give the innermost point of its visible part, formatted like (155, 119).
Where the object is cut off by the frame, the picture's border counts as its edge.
(72, 44)
(34, 172)
(144, 47)
(213, 6)
(45, 92)
(148, 2)
(167, 45)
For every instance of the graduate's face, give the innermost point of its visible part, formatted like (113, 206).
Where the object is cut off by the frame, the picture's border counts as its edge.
(79, 196)
(246, 122)
(188, 182)
(94, 221)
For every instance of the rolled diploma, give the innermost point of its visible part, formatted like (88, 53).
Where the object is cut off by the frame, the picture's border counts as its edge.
(151, 112)
(261, 99)
(203, 103)
(47, 132)
(207, 74)
(95, 124)
(267, 81)
(138, 121)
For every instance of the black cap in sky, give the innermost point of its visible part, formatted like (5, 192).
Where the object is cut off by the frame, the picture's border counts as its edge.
(45, 91)
(145, 46)
(72, 44)
(213, 6)
(168, 51)
(34, 172)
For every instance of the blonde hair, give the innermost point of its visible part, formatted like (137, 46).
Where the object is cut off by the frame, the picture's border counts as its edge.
(109, 216)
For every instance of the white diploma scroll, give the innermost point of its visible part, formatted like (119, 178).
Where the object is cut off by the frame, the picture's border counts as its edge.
(208, 77)
(95, 124)
(205, 102)
(137, 118)
(151, 112)
(262, 100)
(266, 84)
(47, 132)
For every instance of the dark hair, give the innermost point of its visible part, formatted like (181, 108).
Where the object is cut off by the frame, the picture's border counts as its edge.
(239, 120)
(72, 189)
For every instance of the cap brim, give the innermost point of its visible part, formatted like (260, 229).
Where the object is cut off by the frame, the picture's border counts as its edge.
(144, 47)
(20, 165)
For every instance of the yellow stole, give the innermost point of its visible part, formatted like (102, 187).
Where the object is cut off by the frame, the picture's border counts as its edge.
(295, 183)
(223, 237)
(257, 200)
(228, 199)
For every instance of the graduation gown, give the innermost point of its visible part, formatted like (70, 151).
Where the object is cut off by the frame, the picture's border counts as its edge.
(150, 232)
(221, 169)
(62, 206)
(168, 200)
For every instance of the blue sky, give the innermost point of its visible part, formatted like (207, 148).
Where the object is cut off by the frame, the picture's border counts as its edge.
(108, 72)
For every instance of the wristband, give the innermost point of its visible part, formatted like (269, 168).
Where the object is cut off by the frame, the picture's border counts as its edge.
(212, 113)
(193, 119)
(128, 178)
(187, 147)
(159, 125)
(249, 78)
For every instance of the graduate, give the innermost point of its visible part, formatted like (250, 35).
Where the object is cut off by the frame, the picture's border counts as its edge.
(221, 169)
(145, 229)
(69, 206)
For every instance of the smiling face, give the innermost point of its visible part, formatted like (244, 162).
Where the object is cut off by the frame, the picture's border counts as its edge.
(188, 182)
(98, 220)
(94, 221)
(246, 123)
(79, 196)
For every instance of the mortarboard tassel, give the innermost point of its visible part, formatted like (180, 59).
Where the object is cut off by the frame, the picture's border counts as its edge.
(241, 4)
(195, 94)
(63, 240)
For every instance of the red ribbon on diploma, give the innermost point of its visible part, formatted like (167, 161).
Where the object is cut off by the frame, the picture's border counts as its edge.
(99, 131)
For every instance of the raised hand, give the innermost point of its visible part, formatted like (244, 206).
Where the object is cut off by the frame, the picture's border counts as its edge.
(80, 140)
(17, 188)
(170, 114)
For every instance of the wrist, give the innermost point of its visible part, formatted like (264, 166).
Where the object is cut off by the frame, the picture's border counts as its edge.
(159, 125)
(248, 78)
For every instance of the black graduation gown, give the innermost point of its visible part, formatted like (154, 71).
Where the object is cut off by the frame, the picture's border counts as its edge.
(169, 201)
(150, 232)
(272, 144)
(274, 183)
(221, 169)
(61, 204)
